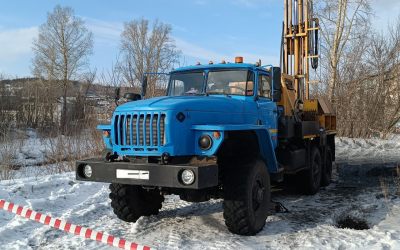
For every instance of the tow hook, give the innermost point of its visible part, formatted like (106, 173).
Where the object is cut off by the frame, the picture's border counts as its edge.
(279, 207)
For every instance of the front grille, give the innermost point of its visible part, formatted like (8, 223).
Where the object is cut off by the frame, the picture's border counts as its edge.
(139, 129)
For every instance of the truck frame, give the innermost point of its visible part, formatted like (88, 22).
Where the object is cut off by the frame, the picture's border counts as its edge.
(224, 130)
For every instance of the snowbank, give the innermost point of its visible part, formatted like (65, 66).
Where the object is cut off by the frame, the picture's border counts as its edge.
(350, 150)
(32, 150)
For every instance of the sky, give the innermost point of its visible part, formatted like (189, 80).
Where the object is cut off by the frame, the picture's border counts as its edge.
(203, 30)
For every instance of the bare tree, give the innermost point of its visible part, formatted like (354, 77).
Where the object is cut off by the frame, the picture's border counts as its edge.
(360, 68)
(383, 59)
(61, 51)
(80, 111)
(368, 96)
(342, 21)
(146, 49)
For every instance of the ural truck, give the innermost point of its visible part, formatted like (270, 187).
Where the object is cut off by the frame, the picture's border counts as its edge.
(223, 131)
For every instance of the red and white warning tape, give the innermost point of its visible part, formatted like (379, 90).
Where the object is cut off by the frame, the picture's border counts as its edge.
(70, 228)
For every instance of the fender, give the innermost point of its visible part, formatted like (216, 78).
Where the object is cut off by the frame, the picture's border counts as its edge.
(267, 150)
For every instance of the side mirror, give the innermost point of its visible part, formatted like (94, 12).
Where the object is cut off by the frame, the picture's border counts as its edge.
(117, 95)
(144, 86)
(130, 97)
(277, 91)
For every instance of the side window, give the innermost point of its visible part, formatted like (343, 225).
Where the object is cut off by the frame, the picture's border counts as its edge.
(264, 86)
(250, 84)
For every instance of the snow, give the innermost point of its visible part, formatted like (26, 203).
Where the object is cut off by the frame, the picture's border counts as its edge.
(311, 223)
(364, 151)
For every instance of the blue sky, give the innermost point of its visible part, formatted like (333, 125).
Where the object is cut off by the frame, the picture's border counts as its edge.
(202, 29)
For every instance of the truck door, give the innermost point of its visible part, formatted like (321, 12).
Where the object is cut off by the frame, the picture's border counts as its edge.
(267, 109)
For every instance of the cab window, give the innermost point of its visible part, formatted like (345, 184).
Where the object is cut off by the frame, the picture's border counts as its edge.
(264, 86)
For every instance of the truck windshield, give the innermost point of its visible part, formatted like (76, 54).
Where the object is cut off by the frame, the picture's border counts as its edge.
(221, 82)
(184, 83)
(230, 82)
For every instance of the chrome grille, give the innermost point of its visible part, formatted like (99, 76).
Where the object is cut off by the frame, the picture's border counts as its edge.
(139, 130)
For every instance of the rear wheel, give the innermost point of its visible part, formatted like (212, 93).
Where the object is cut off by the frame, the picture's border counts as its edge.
(246, 198)
(327, 169)
(311, 178)
(131, 202)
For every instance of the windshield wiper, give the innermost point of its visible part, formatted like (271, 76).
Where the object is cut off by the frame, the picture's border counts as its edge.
(218, 93)
(195, 94)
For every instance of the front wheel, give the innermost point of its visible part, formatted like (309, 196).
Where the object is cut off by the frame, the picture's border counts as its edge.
(246, 198)
(131, 202)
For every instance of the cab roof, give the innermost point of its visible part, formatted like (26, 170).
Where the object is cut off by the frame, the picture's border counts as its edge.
(220, 66)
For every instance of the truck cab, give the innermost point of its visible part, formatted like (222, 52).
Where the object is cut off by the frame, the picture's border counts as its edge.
(201, 102)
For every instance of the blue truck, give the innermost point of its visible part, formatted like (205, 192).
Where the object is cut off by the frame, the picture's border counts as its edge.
(218, 133)
(222, 131)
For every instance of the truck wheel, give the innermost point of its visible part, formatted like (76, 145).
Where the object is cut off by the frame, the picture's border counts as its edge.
(246, 198)
(327, 169)
(131, 202)
(312, 177)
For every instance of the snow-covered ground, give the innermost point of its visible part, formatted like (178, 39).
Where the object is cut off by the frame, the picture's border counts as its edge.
(311, 223)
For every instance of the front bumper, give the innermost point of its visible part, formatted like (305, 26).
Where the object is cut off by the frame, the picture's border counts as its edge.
(147, 174)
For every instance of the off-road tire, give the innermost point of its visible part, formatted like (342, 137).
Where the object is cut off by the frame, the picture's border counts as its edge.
(245, 212)
(311, 178)
(326, 174)
(131, 202)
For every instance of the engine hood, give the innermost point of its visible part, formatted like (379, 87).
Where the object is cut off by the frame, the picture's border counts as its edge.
(185, 103)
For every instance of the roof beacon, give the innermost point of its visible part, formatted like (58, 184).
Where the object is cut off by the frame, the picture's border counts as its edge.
(238, 59)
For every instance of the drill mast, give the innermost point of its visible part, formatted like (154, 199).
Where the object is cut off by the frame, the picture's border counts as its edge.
(299, 53)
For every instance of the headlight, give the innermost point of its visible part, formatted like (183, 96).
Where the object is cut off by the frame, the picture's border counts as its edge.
(187, 177)
(87, 171)
(205, 142)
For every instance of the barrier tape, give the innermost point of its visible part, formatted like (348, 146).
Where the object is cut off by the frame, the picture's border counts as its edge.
(71, 228)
